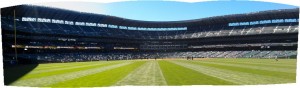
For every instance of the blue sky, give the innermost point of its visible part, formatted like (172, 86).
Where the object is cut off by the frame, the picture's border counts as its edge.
(168, 10)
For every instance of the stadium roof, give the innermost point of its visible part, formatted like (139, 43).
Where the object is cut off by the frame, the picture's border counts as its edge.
(57, 13)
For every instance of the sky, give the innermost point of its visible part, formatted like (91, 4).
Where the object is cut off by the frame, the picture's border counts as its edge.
(168, 10)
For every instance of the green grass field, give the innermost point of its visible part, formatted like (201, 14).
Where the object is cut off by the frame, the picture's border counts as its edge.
(161, 73)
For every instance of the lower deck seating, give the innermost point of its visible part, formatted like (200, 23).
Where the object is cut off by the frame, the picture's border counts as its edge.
(72, 57)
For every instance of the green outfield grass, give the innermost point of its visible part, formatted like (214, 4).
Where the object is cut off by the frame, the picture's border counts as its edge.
(174, 72)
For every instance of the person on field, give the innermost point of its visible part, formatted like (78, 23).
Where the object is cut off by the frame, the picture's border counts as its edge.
(276, 59)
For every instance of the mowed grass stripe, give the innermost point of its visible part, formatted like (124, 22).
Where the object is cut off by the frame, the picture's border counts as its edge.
(76, 68)
(263, 62)
(268, 68)
(285, 75)
(280, 65)
(61, 65)
(233, 76)
(105, 78)
(73, 66)
(48, 80)
(254, 60)
(177, 75)
(147, 74)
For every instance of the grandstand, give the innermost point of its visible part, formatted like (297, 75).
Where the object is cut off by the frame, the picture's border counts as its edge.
(36, 34)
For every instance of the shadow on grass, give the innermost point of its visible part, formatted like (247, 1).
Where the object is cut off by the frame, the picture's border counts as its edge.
(13, 73)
